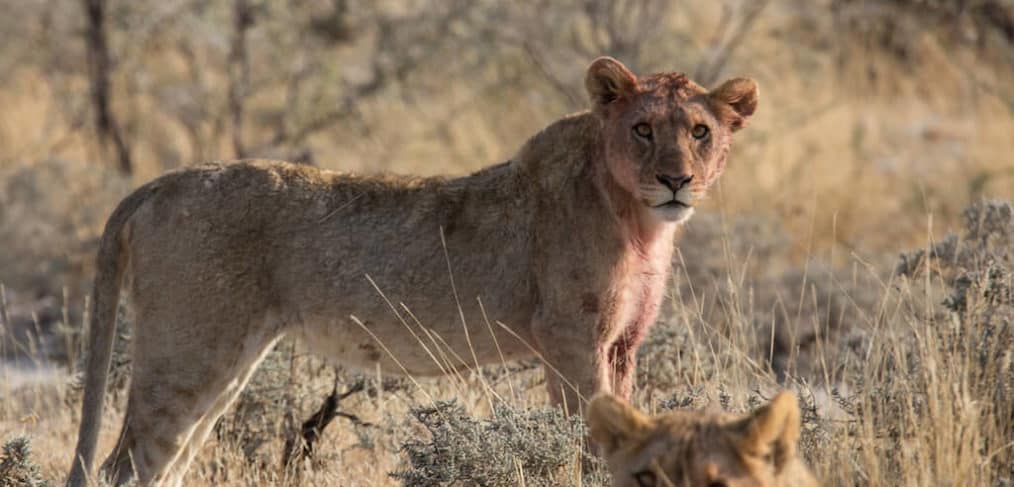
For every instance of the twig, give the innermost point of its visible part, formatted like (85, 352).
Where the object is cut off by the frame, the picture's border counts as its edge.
(312, 428)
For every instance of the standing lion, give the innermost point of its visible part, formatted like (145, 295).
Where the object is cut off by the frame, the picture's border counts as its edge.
(567, 245)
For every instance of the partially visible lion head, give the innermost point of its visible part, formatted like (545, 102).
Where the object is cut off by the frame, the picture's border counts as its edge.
(666, 137)
(697, 449)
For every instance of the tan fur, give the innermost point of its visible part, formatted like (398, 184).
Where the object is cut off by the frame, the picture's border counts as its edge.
(568, 244)
(693, 448)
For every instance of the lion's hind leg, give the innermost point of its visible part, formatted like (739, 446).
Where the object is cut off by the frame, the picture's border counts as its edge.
(155, 431)
(221, 405)
(185, 375)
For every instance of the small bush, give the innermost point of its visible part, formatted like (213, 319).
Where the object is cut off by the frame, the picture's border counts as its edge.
(513, 447)
(17, 468)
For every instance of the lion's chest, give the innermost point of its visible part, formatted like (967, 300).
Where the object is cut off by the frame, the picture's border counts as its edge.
(639, 293)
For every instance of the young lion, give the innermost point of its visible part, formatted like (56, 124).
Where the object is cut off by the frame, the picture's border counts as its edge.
(567, 245)
(691, 448)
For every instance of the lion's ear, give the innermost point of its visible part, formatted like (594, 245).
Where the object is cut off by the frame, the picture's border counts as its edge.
(771, 430)
(613, 422)
(740, 94)
(607, 81)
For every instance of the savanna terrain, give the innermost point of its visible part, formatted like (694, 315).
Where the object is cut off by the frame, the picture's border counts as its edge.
(859, 249)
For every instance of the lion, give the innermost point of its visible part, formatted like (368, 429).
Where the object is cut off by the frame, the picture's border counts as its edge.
(693, 448)
(561, 253)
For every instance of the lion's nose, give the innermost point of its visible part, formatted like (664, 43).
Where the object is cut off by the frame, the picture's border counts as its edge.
(674, 183)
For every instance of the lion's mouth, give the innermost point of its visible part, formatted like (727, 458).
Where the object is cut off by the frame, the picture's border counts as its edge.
(674, 203)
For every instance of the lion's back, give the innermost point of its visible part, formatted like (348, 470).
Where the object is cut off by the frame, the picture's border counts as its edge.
(285, 233)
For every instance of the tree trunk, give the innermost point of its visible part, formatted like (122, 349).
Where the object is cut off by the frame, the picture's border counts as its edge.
(99, 68)
(239, 72)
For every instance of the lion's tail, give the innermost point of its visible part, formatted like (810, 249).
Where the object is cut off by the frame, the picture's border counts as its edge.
(109, 272)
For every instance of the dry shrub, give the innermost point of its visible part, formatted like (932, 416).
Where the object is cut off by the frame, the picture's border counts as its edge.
(538, 447)
(926, 394)
(17, 469)
(961, 363)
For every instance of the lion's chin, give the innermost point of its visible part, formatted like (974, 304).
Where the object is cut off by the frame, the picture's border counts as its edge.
(673, 212)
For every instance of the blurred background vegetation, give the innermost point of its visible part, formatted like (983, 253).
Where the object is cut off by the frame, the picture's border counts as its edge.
(879, 122)
(874, 115)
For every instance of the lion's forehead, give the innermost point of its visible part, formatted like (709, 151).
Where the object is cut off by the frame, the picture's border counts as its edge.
(680, 457)
(679, 435)
(664, 107)
(674, 87)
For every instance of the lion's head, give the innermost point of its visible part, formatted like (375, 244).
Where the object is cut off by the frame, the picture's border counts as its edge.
(666, 137)
(691, 448)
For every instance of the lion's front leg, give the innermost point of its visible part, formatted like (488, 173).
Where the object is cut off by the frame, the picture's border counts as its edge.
(575, 364)
(622, 358)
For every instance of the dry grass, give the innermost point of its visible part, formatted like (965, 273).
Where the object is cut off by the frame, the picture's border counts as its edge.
(916, 391)
(866, 145)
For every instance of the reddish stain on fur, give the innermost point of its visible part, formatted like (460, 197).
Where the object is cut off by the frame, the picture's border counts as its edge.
(621, 356)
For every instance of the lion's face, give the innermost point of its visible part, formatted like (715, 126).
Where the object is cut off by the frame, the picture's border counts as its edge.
(666, 138)
(694, 449)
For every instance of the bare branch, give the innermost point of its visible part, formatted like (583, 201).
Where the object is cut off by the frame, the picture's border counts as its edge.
(710, 68)
(239, 72)
(99, 68)
(554, 81)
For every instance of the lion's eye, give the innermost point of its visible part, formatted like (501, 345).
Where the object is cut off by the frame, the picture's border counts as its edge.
(643, 130)
(717, 483)
(699, 131)
(645, 478)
